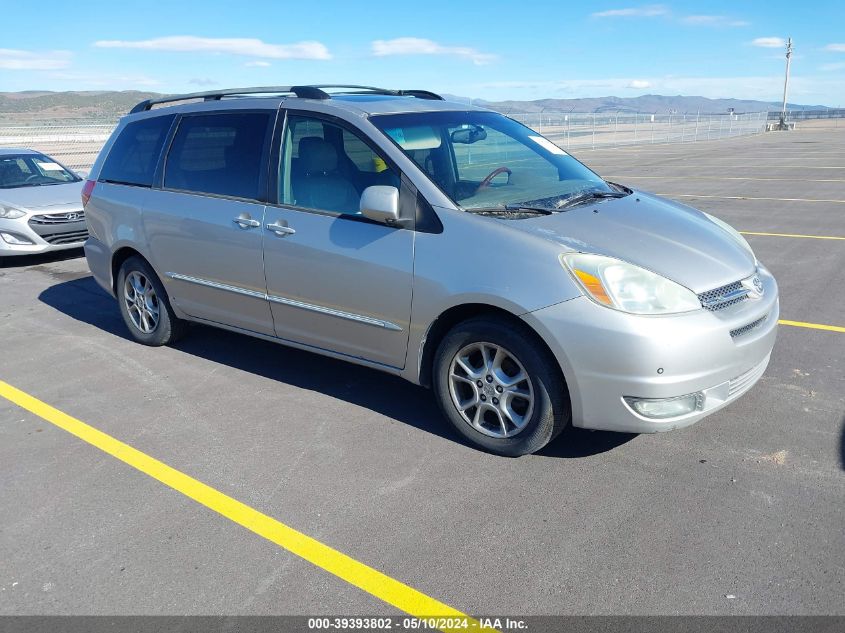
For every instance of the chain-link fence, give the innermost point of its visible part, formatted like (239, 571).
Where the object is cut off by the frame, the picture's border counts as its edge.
(76, 144)
(805, 115)
(615, 129)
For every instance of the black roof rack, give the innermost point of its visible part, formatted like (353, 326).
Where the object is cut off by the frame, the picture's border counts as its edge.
(303, 92)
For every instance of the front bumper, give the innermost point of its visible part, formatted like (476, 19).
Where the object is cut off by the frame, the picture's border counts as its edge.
(606, 355)
(45, 232)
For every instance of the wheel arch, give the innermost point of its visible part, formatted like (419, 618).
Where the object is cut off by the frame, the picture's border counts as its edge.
(451, 317)
(121, 255)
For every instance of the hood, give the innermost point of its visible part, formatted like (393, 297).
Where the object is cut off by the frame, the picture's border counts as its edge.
(66, 195)
(665, 237)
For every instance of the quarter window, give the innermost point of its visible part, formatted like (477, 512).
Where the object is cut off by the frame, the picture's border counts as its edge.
(219, 154)
(134, 155)
(327, 167)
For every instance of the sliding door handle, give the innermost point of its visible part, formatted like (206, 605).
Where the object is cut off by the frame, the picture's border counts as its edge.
(280, 229)
(246, 222)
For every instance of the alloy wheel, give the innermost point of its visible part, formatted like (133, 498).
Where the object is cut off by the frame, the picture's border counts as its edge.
(141, 302)
(491, 389)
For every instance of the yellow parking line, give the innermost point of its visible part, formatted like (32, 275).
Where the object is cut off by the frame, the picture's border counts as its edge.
(366, 578)
(814, 326)
(695, 195)
(813, 237)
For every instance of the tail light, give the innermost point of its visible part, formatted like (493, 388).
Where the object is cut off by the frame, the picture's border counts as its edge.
(87, 190)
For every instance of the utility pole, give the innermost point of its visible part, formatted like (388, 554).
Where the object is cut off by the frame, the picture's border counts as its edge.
(786, 83)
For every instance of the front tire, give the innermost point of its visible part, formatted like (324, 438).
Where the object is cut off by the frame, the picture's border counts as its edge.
(145, 306)
(499, 387)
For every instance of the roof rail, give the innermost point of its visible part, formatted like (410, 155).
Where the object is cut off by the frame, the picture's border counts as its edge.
(352, 89)
(303, 92)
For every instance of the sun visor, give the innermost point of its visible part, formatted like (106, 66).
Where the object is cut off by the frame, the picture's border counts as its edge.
(413, 138)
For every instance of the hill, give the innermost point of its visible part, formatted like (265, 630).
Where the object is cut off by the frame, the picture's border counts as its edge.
(645, 103)
(39, 105)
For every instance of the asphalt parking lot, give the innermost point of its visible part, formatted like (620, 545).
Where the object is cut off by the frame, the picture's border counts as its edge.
(743, 513)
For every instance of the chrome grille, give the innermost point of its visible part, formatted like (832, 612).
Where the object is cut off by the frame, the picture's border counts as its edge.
(58, 218)
(726, 296)
(747, 328)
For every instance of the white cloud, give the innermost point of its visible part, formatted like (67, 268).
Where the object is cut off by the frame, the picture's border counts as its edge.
(421, 46)
(832, 67)
(234, 46)
(639, 84)
(12, 59)
(769, 42)
(647, 11)
(257, 64)
(835, 48)
(203, 81)
(712, 20)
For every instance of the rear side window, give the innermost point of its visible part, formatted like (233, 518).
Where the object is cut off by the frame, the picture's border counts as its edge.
(134, 155)
(219, 154)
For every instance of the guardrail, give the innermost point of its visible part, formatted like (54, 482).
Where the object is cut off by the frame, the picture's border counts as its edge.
(76, 144)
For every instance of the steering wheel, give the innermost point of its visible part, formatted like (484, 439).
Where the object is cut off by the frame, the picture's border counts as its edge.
(489, 178)
(33, 177)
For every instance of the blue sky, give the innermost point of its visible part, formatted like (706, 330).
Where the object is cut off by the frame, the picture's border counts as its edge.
(491, 50)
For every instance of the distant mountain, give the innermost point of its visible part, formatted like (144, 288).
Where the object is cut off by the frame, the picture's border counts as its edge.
(645, 103)
(36, 105)
(39, 104)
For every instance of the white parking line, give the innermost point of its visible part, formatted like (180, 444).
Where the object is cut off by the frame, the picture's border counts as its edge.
(695, 195)
(731, 178)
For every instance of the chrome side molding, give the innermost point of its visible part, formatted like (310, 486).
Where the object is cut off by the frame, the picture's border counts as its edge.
(349, 316)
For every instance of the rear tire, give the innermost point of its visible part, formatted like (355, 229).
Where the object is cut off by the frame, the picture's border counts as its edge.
(145, 306)
(500, 387)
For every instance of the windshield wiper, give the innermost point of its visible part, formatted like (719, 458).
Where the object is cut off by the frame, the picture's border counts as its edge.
(510, 208)
(590, 195)
(528, 209)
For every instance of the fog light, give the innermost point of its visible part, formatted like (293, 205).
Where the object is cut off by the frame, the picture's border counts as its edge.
(14, 238)
(660, 408)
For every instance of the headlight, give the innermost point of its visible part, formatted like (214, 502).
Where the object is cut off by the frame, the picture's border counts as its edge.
(733, 233)
(617, 284)
(10, 213)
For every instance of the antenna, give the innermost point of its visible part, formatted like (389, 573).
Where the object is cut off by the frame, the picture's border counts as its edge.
(786, 83)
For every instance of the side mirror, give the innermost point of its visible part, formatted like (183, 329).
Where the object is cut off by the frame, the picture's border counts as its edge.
(381, 203)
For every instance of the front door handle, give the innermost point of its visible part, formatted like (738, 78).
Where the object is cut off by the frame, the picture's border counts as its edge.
(281, 229)
(246, 222)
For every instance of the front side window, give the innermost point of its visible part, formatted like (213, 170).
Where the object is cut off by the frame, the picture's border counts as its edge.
(134, 155)
(484, 160)
(219, 154)
(326, 167)
(32, 170)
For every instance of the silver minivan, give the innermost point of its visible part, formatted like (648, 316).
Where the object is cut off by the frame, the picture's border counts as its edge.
(446, 244)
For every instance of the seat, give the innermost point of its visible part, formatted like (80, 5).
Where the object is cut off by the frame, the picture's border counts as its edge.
(11, 173)
(317, 183)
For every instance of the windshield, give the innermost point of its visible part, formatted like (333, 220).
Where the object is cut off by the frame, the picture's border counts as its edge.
(32, 170)
(484, 160)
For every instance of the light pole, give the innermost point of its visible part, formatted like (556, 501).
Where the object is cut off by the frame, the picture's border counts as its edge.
(786, 83)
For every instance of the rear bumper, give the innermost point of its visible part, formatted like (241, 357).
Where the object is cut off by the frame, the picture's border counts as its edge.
(99, 261)
(606, 355)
